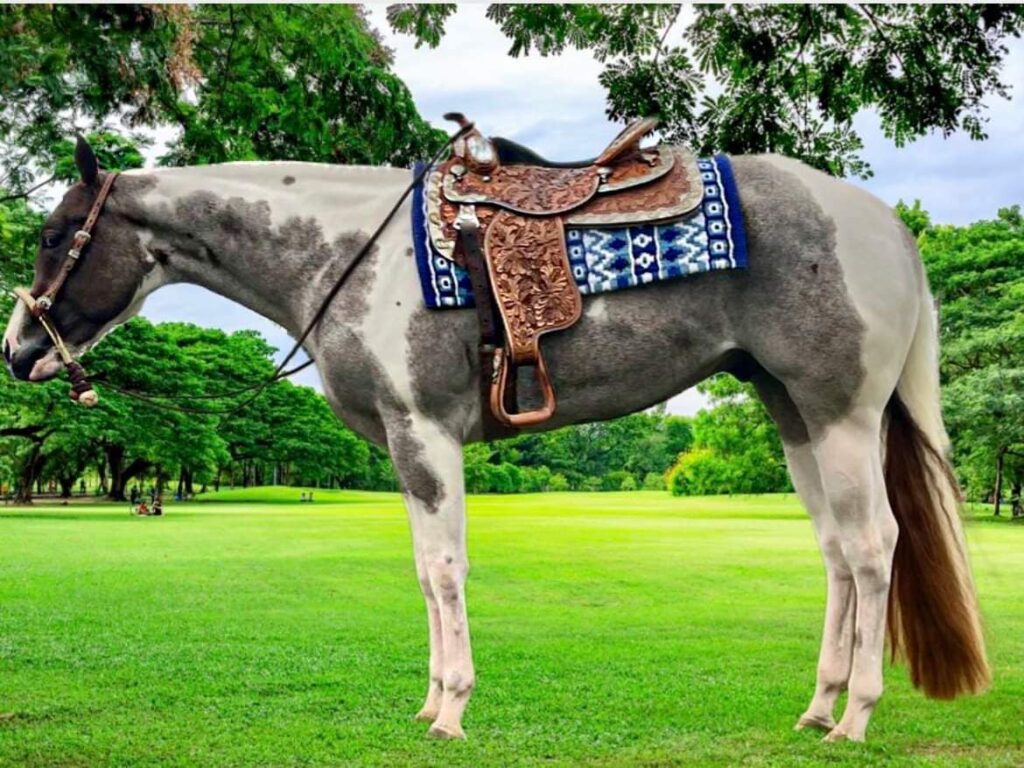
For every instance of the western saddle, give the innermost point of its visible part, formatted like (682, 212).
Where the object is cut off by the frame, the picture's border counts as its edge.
(499, 210)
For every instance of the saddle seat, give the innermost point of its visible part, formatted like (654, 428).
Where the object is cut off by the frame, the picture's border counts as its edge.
(499, 210)
(513, 153)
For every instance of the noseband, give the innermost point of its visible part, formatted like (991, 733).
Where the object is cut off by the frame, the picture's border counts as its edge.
(40, 306)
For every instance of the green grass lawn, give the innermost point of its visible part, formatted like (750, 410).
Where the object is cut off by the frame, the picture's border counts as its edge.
(608, 630)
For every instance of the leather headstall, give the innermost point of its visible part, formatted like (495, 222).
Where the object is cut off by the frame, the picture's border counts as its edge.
(40, 306)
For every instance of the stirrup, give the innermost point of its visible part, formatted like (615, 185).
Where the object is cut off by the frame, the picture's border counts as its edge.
(502, 366)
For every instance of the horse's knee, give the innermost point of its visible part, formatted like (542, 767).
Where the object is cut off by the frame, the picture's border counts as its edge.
(426, 587)
(447, 576)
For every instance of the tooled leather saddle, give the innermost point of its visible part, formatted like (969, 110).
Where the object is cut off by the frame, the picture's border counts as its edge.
(500, 211)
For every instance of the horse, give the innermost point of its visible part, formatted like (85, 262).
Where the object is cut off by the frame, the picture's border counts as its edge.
(832, 322)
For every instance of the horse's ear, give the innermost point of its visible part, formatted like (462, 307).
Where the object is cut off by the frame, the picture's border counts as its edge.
(85, 159)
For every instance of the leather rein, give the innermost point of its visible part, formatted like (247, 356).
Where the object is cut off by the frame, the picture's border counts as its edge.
(82, 391)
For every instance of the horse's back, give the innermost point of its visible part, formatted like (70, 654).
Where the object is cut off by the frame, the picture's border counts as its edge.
(831, 271)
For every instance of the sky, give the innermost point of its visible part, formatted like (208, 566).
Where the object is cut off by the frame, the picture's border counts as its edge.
(556, 106)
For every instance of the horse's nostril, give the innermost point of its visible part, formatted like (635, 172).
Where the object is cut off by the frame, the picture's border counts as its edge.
(7, 351)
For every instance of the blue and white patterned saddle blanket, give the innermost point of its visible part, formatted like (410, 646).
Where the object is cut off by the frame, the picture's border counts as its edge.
(707, 239)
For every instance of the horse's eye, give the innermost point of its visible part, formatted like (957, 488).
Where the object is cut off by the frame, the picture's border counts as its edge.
(51, 239)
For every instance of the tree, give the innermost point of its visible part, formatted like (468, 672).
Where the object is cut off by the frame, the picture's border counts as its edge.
(736, 447)
(289, 434)
(268, 82)
(19, 241)
(977, 275)
(772, 78)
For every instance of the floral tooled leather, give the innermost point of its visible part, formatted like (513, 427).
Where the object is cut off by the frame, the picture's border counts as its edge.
(532, 280)
(526, 189)
(675, 194)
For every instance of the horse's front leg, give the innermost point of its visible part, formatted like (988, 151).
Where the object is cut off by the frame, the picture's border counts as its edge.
(429, 466)
(435, 687)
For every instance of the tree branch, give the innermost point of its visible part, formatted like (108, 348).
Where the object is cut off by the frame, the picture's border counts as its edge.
(876, 23)
(29, 192)
(664, 35)
(28, 432)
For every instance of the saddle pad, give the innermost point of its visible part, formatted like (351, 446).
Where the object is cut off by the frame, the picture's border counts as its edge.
(611, 258)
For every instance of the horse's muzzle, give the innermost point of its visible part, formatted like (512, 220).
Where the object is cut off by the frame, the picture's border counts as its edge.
(34, 360)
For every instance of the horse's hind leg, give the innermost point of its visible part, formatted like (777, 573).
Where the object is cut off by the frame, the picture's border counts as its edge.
(850, 462)
(836, 656)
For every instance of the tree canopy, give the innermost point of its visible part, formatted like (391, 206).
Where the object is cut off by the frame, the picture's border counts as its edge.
(771, 78)
(234, 82)
(736, 447)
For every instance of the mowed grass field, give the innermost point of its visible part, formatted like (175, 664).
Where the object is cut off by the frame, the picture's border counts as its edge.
(608, 630)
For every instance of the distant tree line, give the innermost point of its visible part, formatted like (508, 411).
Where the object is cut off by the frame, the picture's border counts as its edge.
(977, 276)
(287, 436)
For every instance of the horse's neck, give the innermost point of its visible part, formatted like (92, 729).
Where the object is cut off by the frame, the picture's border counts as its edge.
(271, 236)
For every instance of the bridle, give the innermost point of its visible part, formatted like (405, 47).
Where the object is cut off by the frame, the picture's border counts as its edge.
(82, 391)
(39, 306)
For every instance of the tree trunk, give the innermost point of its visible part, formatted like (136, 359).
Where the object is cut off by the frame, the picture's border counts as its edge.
(999, 479)
(1015, 506)
(67, 485)
(101, 467)
(134, 469)
(189, 487)
(115, 460)
(180, 493)
(28, 475)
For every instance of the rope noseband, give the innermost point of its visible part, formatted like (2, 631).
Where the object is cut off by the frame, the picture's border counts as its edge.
(39, 306)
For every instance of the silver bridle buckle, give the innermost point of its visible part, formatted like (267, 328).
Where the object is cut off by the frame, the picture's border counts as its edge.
(82, 239)
(44, 303)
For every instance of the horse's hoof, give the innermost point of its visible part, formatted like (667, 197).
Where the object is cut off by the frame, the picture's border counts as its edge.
(446, 732)
(426, 716)
(817, 723)
(838, 734)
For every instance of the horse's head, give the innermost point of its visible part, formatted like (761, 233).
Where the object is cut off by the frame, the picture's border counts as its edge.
(102, 290)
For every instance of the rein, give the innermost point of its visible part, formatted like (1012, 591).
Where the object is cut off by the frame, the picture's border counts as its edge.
(82, 391)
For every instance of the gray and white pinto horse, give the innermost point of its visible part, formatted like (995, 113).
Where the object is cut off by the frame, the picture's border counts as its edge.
(832, 322)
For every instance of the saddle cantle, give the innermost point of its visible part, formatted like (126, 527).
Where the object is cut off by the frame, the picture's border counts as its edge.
(502, 218)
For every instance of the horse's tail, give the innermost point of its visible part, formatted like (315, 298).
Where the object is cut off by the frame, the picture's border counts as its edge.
(933, 613)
